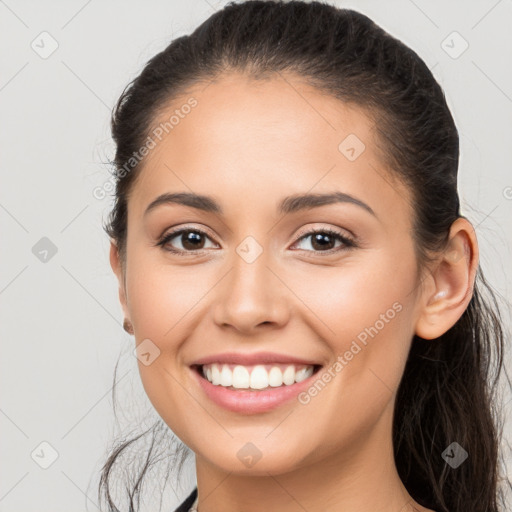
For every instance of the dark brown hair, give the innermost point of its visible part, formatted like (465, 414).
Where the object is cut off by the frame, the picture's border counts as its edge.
(448, 390)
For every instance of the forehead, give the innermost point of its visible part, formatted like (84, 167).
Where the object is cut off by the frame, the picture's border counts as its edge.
(262, 140)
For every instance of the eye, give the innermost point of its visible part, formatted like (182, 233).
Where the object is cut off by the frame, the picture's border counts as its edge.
(323, 239)
(191, 240)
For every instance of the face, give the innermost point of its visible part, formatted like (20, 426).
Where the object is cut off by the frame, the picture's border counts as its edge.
(333, 284)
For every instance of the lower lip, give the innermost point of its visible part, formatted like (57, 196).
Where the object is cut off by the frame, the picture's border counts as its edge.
(248, 401)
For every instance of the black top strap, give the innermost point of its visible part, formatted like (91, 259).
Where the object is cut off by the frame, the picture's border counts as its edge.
(188, 502)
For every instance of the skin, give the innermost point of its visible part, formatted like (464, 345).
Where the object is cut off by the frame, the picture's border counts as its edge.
(249, 144)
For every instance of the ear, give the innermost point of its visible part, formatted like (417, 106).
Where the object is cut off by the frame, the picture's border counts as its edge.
(117, 267)
(450, 286)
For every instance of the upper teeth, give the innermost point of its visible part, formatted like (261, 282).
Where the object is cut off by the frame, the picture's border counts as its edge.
(256, 377)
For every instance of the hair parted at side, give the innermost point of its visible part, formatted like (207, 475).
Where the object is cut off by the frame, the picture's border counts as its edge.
(449, 388)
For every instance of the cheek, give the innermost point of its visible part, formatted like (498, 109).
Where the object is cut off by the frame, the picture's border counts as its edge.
(162, 299)
(364, 313)
(353, 296)
(164, 303)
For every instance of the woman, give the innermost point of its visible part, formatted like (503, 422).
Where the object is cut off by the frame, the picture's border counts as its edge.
(304, 292)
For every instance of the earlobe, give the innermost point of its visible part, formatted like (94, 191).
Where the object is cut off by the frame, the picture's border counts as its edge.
(453, 278)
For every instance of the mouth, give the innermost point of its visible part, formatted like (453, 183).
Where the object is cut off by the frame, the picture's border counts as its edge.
(253, 389)
(255, 377)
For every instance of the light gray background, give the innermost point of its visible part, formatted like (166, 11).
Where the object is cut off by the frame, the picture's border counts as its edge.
(61, 320)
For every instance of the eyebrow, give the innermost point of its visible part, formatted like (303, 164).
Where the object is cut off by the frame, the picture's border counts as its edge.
(290, 204)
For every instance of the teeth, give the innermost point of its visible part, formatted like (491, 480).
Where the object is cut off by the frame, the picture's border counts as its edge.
(255, 377)
(240, 377)
(259, 378)
(275, 377)
(226, 376)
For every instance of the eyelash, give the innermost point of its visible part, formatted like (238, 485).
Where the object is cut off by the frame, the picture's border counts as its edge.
(348, 242)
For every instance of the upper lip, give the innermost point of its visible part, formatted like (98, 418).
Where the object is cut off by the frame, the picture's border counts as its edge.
(252, 359)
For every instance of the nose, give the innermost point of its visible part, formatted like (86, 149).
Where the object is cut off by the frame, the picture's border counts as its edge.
(251, 297)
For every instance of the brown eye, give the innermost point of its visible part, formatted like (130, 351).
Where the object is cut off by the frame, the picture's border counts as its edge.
(324, 240)
(190, 240)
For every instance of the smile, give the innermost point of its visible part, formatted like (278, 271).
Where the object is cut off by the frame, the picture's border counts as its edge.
(256, 376)
(253, 389)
